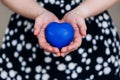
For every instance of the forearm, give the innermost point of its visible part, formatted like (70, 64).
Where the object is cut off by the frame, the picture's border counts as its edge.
(93, 7)
(26, 8)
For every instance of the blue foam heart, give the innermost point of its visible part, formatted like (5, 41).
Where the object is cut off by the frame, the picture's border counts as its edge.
(59, 34)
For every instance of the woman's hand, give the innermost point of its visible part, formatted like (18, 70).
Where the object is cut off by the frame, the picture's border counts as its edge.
(39, 30)
(78, 23)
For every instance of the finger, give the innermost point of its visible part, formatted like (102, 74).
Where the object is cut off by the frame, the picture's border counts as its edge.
(56, 50)
(77, 42)
(82, 26)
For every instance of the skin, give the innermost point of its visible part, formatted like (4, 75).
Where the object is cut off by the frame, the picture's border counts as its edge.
(30, 9)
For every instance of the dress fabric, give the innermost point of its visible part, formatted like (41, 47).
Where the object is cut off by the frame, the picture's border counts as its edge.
(98, 58)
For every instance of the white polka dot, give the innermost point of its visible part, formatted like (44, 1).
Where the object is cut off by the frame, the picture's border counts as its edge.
(20, 59)
(47, 60)
(48, 67)
(61, 67)
(84, 54)
(57, 2)
(105, 64)
(57, 62)
(87, 68)
(74, 75)
(19, 47)
(107, 31)
(16, 54)
(30, 59)
(97, 21)
(44, 71)
(47, 53)
(14, 42)
(88, 37)
(104, 24)
(98, 67)
(61, 5)
(72, 2)
(80, 51)
(3, 46)
(27, 76)
(38, 69)
(11, 32)
(62, 11)
(83, 60)
(45, 77)
(41, 4)
(34, 49)
(4, 74)
(28, 46)
(1, 61)
(8, 78)
(11, 18)
(68, 58)
(112, 58)
(52, 1)
(105, 16)
(67, 7)
(46, 1)
(106, 43)
(4, 56)
(6, 31)
(62, 1)
(19, 23)
(17, 16)
(12, 73)
(109, 41)
(92, 18)
(96, 37)
(107, 51)
(19, 77)
(37, 77)
(67, 71)
(90, 50)
(99, 60)
(95, 48)
(7, 59)
(107, 70)
(100, 73)
(99, 24)
(22, 37)
(34, 56)
(88, 61)
(23, 63)
(77, 1)
(16, 30)
(101, 37)
(8, 44)
(9, 65)
(28, 70)
(7, 38)
(91, 76)
(23, 68)
(72, 65)
(79, 69)
(94, 41)
(100, 18)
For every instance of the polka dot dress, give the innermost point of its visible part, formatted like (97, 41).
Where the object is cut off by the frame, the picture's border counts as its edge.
(98, 58)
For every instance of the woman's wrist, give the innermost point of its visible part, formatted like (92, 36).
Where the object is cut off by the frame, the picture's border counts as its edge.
(82, 11)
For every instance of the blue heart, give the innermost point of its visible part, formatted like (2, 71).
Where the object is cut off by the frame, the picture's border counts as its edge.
(59, 34)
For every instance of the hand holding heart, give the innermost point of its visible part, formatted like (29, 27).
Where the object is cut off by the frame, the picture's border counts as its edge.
(78, 23)
(47, 17)
(39, 30)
